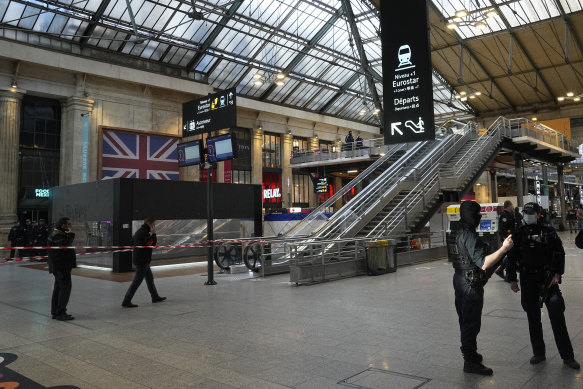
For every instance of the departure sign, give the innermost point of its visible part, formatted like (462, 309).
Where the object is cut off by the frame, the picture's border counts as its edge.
(407, 78)
(214, 112)
(322, 185)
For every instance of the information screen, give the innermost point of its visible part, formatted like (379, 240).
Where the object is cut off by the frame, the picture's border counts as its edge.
(485, 224)
(221, 148)
(190, 153)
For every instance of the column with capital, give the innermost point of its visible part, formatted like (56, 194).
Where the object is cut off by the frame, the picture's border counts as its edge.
(256, 157)
(10, 103)
(78, 143)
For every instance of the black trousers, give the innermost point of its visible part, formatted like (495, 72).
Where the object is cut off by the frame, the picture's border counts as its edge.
(529, 285)
(142, 271)
(468, 304)
(61, 292)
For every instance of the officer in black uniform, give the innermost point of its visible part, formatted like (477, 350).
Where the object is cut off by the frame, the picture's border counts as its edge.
(540, 257)
(506, 226)
(472, 259)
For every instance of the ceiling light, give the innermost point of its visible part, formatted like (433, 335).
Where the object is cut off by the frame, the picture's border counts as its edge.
(534, 119)
(461, 13)
(463, 93)
(14, 85)
(362, 112)
(376, 111)
(258, 82)
(478, 93)
(491, 13)
(472, 97)
(257, 75)
(452, 25)
(457, 97)
(570, 94)
(481, 25)
(560, 98)
(577, 99)
(279, 83)
(352, 171)
(280, 76)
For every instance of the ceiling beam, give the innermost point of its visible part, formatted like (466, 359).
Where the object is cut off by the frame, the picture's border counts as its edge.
(213, 35)
(521, 46)
(363, 59)
(474, 58)
(338, 94)
(315, 39)
(93, 22)
(571, 30)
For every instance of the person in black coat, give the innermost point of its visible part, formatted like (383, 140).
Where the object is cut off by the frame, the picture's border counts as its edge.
(540, 258)
(61, 262)
(506, 226)
(145, 236)
(16, 238)
(473, 257)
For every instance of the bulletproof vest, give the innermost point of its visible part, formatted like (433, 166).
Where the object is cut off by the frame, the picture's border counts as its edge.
(535, 249)
(460, 260)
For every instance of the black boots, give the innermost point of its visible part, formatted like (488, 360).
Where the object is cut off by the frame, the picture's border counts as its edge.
(473, 364)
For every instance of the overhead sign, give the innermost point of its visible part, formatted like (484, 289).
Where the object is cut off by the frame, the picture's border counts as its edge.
(214, 112)
(407, 77)
(322, 185)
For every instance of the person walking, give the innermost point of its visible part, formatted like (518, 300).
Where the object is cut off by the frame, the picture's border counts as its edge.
(142, 257)
(540, 257)
(472, 259)
(61, 262)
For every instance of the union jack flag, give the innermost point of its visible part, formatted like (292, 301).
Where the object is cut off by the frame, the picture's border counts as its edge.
(129, 155)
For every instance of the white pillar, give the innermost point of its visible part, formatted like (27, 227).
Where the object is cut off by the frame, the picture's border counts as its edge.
(10, 103)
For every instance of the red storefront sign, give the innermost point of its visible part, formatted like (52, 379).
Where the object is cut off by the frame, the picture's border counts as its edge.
(227, 170)
(272, 188)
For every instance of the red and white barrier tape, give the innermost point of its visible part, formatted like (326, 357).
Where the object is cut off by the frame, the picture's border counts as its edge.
(116, 249)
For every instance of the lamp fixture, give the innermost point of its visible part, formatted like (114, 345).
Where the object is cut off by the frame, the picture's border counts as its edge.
(477, 17)
(464, 96)
(261, 78)
(570, 96)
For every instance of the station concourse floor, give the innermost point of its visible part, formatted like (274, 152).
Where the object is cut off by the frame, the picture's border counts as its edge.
(397, 330)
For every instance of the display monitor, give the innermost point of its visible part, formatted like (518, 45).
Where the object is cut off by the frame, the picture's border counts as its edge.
(190, 153)
(221, 148)
(485, 224)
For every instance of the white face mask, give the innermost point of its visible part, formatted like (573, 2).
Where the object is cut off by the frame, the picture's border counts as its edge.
(530, 219)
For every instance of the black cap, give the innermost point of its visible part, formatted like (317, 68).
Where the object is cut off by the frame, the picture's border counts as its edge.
(531, 208)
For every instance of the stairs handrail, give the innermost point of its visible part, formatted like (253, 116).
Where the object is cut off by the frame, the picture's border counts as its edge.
(316, 213)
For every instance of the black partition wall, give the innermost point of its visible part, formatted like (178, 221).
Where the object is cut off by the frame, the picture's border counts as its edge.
(123, 200)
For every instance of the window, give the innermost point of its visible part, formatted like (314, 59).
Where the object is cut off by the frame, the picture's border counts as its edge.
(40, 142)
(327, 147)
(240, 176)
(299, 145)
(271, 151)
(301, 190)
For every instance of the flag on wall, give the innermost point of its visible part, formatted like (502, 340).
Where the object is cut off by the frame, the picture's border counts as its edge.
(136, 155)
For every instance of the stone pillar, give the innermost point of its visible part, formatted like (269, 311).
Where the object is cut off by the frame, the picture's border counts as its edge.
(493, 186)
(561, 185)
(313, 143)
(10, 103)
(286, 171)
(256, 159)
(71, 168)
(519, 183)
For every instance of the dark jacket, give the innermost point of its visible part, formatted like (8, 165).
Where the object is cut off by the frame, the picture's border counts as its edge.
(470, 246)
(63, 259)
(536, 247)
(506, 225)
(142, 237)
(16, 235)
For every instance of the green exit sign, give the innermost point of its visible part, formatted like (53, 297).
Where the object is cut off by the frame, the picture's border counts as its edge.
(42, 192)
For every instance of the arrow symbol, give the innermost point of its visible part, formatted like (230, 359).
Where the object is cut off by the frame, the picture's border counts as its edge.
(395, 127)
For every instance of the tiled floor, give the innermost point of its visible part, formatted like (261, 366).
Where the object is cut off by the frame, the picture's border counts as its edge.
(393, 331)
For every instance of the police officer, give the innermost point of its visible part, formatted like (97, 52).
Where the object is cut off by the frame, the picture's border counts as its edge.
(470, 263)
(506, 226)
(16, 238)
(540, 257)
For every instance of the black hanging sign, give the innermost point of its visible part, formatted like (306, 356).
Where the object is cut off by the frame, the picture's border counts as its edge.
(214, 112)
(407, 77)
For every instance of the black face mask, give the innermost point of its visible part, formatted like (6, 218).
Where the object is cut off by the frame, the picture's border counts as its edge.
(470, 215)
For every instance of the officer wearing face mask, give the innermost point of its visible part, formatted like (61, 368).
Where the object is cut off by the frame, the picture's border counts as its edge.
(473, 257)
(540, 258)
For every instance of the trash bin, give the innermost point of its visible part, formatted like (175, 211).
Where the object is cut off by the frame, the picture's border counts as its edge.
(381, 259)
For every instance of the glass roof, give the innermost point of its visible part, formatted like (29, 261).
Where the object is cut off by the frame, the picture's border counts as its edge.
(506, 13)
(228, 42)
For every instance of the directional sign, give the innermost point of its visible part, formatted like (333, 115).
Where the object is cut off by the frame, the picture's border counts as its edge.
(214, 112)
(407, 78)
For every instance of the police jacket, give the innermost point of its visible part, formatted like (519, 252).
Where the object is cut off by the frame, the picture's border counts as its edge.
(536, 248)
(142, 237)
(61, 259)
(16, 235)
(472, 251)
(506, 225)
